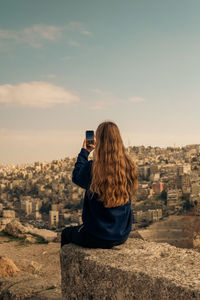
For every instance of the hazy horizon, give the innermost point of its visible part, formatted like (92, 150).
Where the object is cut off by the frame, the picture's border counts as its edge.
(23, 162)
(67, 66)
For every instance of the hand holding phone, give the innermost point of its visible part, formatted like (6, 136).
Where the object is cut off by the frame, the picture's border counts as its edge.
(89, 142)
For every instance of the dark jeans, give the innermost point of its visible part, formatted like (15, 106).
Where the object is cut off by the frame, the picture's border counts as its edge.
(79, 236)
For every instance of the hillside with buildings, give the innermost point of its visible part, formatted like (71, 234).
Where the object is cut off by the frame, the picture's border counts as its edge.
(43, 194)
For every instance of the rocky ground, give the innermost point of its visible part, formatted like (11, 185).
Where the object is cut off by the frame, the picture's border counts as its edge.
(30, 258)
(178, 231)
(39, 269)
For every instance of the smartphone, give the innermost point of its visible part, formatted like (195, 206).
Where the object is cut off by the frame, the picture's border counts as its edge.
(89, 137)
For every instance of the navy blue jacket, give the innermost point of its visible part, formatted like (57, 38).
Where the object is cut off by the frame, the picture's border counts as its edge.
(105, 223)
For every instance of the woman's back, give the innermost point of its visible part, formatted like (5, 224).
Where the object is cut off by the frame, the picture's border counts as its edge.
(109, 223)
(110, 180)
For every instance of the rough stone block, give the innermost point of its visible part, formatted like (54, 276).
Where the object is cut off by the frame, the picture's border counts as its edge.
(137, 270)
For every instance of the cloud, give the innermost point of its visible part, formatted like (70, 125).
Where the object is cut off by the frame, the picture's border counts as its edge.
(105, 99)
(73, 43)
(37, 34)
(137, 99)
(35, 94)
(85, 32)
(78, 27)
(104, 94)
(33, 36)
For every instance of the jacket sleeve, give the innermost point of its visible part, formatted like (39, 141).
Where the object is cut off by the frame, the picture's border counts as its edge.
(81, 174)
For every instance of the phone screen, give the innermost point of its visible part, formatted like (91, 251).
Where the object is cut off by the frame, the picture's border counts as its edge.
(89, 137)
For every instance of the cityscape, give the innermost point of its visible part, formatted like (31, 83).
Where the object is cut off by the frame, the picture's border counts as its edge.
(43, 194)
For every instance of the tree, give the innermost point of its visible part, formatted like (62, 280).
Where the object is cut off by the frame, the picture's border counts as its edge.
(187, 205)
(45, 208)
(164, 196)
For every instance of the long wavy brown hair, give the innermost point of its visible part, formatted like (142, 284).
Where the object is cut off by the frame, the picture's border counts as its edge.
(114, 174)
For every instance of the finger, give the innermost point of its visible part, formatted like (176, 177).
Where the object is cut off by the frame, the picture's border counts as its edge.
(91, 146)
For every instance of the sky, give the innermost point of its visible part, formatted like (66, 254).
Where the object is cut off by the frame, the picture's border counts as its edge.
(66, 66)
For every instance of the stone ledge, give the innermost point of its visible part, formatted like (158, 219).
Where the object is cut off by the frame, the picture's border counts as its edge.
(137, 270)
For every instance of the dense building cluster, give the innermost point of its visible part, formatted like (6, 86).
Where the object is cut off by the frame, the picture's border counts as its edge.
(35, 191)
(168, 177)
(43, 193)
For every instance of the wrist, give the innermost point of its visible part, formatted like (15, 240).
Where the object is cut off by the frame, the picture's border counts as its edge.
(84, 149)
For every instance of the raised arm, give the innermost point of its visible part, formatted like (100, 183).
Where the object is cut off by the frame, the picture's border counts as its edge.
(81, 174)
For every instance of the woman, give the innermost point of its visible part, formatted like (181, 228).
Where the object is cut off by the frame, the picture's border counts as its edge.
(110, 181)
